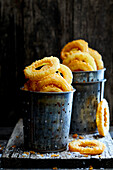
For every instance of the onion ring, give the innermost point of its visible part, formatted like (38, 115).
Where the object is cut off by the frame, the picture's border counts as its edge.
(102, 117)
(33, 74)
(66, 72)
(76, 65)
(55, 80)
(87, 147)
(30, 85)
(51, 85)
(97, 57)
(26, 85)
(50, 88)
(82, 56)
(33, 86)
(76, 44)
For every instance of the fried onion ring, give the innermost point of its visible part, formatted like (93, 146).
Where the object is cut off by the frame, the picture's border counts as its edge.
(76, 44)
(66, 72)
(30, 85)
(50, 88)
(102, 117)
(97, 57)
(26, 85)
(81, 56)
(76, 65)
(33, 74)
(55, 80)
(87, 147)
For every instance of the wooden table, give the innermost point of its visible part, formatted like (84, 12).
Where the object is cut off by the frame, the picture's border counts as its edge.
(14, 155)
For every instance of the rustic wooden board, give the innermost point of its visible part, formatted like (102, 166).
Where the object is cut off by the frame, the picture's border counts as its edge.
(15, 156)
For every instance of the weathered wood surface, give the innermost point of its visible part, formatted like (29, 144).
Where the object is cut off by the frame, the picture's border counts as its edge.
(15, 156)
(30, 30)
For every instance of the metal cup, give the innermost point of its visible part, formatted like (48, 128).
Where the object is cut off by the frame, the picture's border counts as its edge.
(46, 120)
(89, 87)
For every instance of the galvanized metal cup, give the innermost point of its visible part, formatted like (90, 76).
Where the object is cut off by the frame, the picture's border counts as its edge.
(88, 76)
(46, 120)
(89, 92)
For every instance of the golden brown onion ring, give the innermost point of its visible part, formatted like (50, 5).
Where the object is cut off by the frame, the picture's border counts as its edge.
(55, 80)
(30, 85)
(33, 86)
(102, 117)
(76, 65)
(81, 56)
(76, 44)
(97, 57)
(66, 72)
(26, 85)
(50, 88)
(88, 147)
(33, 74)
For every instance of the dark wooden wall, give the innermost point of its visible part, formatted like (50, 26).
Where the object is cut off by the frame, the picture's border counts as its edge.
(33, 29)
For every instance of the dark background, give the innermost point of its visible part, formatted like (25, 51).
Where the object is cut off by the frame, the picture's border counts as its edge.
(33, 29)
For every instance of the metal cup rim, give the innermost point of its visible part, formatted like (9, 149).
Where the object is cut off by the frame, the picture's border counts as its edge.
(38, 92)
(91, 82)
(89, 71)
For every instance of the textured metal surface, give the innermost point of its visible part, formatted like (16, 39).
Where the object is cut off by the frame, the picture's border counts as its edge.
(47, 120)
(85, 101)
(88, 76)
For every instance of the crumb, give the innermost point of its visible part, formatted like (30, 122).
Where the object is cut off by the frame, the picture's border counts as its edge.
(17, 136)
(41, 155)
(75, 136)
(90, 167)
(32, 152)
(27, 153)
(85, 155)
(81, 137)
(54, 155)
(38, 153)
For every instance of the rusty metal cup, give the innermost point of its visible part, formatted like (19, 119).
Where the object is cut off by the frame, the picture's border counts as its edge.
(89, 92)
(46, 119)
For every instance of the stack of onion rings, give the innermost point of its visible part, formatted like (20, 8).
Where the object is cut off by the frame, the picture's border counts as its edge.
(87, 147)
(81, 56)
(102, 117)
(48, 78)
(80, 47)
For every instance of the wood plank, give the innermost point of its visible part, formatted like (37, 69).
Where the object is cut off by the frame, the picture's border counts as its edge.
(11, 59)
(17, 135)
(16, 157)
